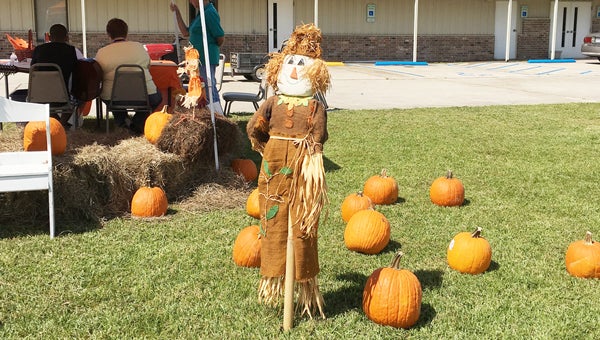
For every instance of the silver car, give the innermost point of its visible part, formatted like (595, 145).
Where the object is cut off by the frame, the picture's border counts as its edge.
(591, 45)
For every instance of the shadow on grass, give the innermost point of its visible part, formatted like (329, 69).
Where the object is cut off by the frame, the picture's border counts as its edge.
(346, 298)
(493, 266)
(25, 228)
(430, 279)
(427, 315)
(391, 248)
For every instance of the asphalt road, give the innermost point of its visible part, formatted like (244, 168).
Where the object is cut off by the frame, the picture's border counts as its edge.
(366, 86)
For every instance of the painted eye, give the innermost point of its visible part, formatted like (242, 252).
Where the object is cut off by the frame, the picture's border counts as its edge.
(291, 61)
(301, 62)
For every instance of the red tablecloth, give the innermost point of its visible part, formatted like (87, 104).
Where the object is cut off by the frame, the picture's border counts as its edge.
(164, 75)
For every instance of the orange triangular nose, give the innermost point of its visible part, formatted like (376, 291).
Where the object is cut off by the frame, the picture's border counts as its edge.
(294, 74)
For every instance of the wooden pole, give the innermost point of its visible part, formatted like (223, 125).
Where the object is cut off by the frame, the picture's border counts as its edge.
(290, 273)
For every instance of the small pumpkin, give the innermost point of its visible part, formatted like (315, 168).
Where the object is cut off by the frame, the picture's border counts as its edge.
(583, 258)
(447, 191)
(34, 137)
(245, 168)
(381, 189)
(392, 296)
(354, 203)
(246, 248)
(149, 202)
(253, 205)
(469, 253)
(155, 124)
(368, 231)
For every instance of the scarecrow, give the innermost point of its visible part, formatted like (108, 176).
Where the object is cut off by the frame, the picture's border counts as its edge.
(289, 130)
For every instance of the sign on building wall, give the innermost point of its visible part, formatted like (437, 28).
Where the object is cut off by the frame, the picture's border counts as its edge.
(370, 12)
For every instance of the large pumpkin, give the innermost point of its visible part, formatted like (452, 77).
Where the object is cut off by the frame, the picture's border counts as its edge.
(469, 253)
(34, 137)
(447, 191)
(354, 203)
(245, 167)
(149, 202)
(367, 231)
(381, 189)
(246, 248)
(253, 205)
(583, 258)
(155, 124)
(392, 296)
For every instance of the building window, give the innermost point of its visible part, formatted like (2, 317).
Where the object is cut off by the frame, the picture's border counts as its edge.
(48, 13)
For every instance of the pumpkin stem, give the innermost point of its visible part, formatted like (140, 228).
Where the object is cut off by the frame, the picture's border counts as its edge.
(164, 109)
(383, 173)
(396, 260)
(588, 238)
(477, 233)
(449, 174)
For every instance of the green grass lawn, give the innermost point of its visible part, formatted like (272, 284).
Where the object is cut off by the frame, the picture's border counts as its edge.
(531, 177)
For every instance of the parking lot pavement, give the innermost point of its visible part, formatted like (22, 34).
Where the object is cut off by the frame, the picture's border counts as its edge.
(366, 86)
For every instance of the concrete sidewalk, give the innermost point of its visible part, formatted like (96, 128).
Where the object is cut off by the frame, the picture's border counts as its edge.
(366, 86)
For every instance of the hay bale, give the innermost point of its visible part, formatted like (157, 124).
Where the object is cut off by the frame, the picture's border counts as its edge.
(98, 174)
(190, 134)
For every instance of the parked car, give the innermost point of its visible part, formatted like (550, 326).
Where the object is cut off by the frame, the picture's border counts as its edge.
(591, 45)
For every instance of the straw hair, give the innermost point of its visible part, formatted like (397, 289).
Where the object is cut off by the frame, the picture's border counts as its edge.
(305, 40)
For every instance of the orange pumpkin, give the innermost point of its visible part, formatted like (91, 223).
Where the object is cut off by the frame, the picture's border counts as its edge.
(245, 168)
(149, 202)
(246, 248)
(253, 205)
(367, 231)
(583, 258)
(392, 296)
(447, 191)
(381, 189)
(354, 203)
(155, 124)
(469, 253)
(34, 137)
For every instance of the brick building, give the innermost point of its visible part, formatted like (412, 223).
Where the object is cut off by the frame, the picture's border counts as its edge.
(353, 30)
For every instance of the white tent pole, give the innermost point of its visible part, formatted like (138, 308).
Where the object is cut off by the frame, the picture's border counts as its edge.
(415, 26)
(508, 31)
(209, 82)
(176, 30)
(553, 35)
(316, 19)
(83, 30)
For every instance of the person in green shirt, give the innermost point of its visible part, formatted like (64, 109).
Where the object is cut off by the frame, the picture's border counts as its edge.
(215, 37)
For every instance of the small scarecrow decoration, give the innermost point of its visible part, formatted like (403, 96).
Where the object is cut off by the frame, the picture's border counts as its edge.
(195, 94)
(289, 130)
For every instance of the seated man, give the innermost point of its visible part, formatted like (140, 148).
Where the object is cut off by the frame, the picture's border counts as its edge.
(59, 52)
(121, 51)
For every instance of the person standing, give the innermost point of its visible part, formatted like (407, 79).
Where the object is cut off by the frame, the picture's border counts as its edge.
(215, 37)
(121, 51)
(58, 51)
